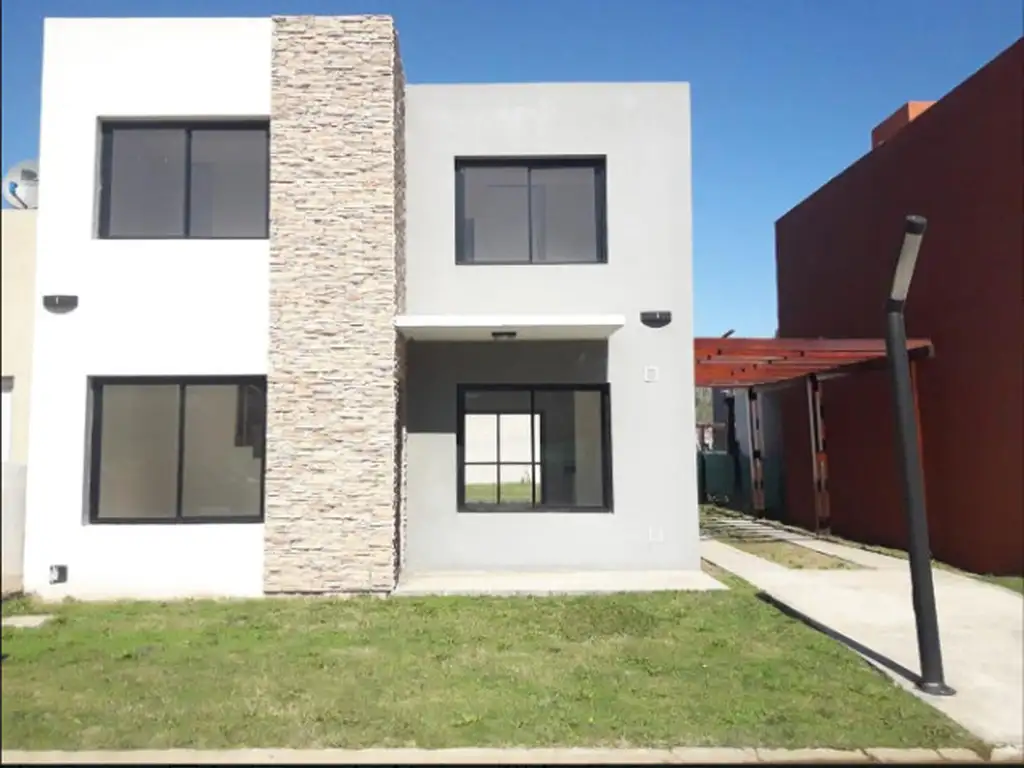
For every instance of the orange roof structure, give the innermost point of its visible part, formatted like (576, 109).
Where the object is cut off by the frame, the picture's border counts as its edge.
(736, 362)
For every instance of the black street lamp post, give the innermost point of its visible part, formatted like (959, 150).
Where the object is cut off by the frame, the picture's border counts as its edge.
(928, 645)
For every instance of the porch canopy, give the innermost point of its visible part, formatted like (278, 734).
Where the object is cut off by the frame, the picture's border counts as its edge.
(518, 327)
(736, 362)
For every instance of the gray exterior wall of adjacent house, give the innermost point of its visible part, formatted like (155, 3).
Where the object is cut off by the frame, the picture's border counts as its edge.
(643, 132)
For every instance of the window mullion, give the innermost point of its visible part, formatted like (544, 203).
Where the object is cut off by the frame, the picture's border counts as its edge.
(497, 458)
(106, 179)
(188, 183)
(96, 453)
(600, 222)
(179, 512)
(533, 453)
(461, 257)
(529, 211)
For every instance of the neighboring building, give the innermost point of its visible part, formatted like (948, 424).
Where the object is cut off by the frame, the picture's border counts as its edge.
(311, 388)
(959, 163)
(732, 474)
(19, 263)
(18, 307)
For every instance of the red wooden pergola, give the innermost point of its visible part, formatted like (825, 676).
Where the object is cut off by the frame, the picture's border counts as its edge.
(762, 364)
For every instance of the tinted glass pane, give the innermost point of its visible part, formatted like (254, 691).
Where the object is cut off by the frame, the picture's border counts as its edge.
(138, 452)
(221, 478)
(572, 451)
(564, 210)
(494, 220)
(229, 193)
(497, 401)
(146, 194)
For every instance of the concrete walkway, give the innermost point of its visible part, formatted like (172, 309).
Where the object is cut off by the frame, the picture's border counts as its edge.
(26, 622)
(981, 626)
(473, 755)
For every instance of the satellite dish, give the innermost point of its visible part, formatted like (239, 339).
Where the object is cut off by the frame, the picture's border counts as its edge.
(21, 185)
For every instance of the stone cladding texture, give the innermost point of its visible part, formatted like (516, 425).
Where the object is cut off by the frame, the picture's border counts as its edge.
(337, 206)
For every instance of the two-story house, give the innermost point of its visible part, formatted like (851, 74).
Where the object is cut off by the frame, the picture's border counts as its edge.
(303, 327)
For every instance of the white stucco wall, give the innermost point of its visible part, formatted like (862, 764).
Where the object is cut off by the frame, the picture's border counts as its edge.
(171, 307)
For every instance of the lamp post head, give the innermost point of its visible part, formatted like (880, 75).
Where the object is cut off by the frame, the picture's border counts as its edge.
(913, 232)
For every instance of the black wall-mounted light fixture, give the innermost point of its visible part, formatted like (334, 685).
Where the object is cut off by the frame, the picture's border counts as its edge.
(503, 335)
(656, 319)
(60, 304)
(58, 574)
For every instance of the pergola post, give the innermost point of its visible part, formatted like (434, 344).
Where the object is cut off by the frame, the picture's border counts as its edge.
(755, 442)
(819, 457)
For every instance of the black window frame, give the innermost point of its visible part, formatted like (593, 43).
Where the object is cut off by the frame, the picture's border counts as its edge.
(96, 384)
(533, 507)
(107, 127)
(597, 163)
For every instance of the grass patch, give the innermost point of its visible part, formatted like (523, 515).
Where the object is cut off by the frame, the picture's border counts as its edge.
(714, 523)
(664, 669)
(710, 514)
(1015, 583)
(788, 554)
(21, 605)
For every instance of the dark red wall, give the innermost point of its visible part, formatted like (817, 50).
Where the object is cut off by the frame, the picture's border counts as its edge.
(960, 164)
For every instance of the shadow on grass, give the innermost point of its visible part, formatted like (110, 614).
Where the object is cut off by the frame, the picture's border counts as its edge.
(868, 653)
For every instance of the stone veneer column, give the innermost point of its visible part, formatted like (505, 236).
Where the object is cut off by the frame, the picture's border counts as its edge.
(336, 273)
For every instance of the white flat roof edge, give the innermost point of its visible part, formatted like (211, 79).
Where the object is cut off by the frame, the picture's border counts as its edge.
(411, 322)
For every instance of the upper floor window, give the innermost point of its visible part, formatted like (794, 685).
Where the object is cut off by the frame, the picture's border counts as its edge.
(536, 211)
(176, 180)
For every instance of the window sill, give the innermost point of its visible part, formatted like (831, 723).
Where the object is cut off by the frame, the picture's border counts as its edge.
(512, 509)
(179, 521)
(602, 263)
(156, 238)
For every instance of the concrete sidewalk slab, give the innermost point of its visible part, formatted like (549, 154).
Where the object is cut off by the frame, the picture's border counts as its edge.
(981, 626)
(26, 622)
(861, 557)
(814, 756)
(484, 756)
(737, 561)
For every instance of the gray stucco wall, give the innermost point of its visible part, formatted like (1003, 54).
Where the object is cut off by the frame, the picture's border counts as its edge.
(333, 446)
(643, 131)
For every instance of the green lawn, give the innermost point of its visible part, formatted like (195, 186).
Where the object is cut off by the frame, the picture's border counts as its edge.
(714, 668)
(1016, 583)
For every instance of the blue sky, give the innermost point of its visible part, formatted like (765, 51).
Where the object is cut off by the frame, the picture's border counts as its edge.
(785, 92)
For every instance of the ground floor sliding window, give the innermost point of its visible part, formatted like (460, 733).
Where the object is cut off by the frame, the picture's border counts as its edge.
(534, 448)
(177, 450)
